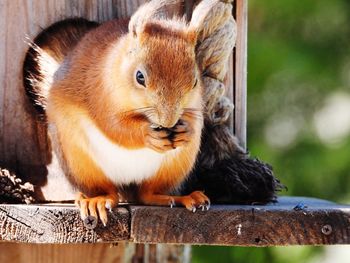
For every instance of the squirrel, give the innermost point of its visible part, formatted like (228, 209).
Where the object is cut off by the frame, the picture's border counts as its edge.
(124, 107)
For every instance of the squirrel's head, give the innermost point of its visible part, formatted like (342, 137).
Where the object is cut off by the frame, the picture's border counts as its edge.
(161, 75)
(157, 68)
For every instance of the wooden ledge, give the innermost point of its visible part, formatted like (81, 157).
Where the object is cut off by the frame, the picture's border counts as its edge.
(312, 222)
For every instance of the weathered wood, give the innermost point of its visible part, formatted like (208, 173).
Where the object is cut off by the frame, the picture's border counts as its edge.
(126, 7)
(240, 72)
(58, 224)
(163, 253)
(321, 222)
(88, 253)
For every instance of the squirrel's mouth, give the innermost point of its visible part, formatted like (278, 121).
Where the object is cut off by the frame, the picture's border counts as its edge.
(166, 125)
(156, 126)
(159, 124)
(160, 127)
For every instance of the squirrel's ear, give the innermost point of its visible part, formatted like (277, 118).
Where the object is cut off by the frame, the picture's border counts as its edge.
(137, 22)
(150, 11)
(200, 15)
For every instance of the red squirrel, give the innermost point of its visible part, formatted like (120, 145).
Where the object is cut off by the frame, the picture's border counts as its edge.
(125, 107)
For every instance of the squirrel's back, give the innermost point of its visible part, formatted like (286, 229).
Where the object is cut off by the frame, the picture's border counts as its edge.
(47, 52)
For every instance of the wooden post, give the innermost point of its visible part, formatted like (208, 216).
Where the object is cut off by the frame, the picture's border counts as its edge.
(240, 72)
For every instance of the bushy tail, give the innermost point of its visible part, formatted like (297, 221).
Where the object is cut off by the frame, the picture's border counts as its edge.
(227, 174)
(46, 54)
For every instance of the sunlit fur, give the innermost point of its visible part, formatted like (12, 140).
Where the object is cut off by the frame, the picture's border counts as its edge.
(95, 101)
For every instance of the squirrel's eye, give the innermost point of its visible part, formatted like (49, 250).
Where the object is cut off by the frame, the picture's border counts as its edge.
(140, 78)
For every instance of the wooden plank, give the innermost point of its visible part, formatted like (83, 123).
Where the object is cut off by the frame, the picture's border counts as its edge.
(240, 66)
(278, 224)
(58, 224)
(163, 253)
(126, 7)
(67, 253)
(321, 222)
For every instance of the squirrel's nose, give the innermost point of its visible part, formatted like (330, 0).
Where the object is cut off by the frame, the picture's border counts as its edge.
(168, 123)
(168, 119)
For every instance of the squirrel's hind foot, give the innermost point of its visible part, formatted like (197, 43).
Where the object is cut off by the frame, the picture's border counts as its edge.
(195, 200)
(94, 208)
(192, 202)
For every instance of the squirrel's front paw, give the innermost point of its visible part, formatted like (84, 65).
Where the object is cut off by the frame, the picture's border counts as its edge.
(165, 139)
(158, 140)
(181, 133)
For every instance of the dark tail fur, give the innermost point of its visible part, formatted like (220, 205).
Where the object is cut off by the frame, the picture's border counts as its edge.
(227, 174)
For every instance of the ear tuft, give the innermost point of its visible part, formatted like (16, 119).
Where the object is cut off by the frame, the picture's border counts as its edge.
(156, 9)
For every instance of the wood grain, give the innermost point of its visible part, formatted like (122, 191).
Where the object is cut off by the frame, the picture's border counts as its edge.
(125, 8)
(240, 72)
(162, 253)
(321, 222)
(58, 224)
(88, 253)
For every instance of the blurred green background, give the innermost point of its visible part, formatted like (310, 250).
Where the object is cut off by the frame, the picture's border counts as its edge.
(298, 112)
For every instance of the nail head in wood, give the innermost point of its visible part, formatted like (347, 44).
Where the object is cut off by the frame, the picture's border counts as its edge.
(90, 222)
(327, 230)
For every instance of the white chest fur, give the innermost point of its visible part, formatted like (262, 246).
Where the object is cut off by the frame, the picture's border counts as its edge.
(120, 165)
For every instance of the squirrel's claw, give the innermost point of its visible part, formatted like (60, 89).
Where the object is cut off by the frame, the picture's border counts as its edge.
(202, 207)
(194, 201)
(206, 206)
(94, 208)
(108, 206)
(172, 203)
